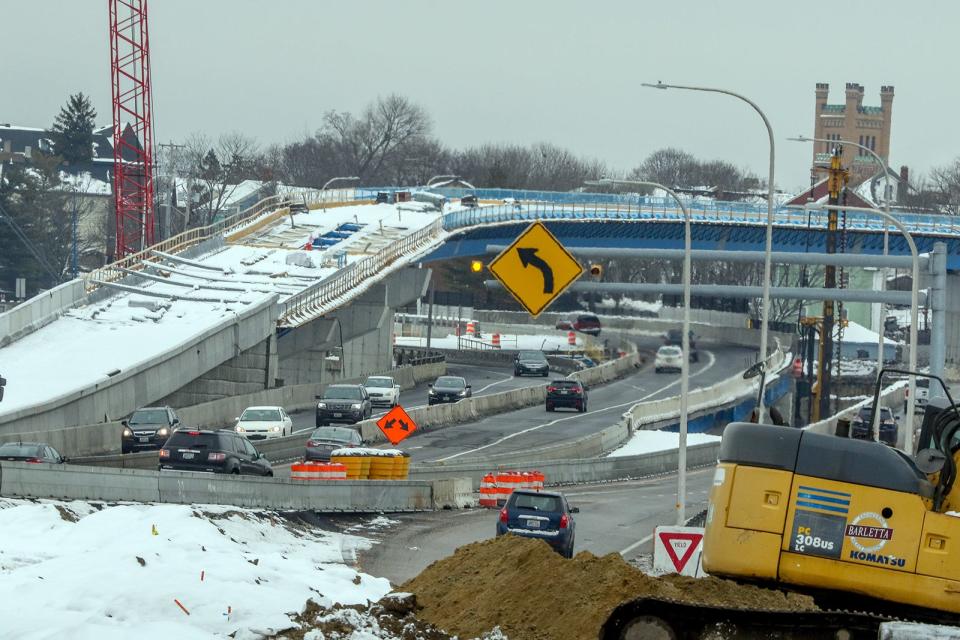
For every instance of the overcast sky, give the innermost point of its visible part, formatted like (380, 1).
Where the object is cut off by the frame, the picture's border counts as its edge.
(510, 71)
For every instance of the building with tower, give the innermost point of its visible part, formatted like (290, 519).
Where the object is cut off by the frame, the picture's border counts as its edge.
(856, 122)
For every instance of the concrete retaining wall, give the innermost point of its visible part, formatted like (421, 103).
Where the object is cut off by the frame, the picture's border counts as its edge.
(39, 310)
(729, 335)
(574, 471)
(22, 480)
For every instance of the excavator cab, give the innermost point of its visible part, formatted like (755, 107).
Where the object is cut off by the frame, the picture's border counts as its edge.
(844, 516)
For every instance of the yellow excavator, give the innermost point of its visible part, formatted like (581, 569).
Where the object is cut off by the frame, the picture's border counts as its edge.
(866, 530)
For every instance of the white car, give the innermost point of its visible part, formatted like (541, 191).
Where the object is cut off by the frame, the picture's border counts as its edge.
(261, 423)
(668, 358)
(383, 391)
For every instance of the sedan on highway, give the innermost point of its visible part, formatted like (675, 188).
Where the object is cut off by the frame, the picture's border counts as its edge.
(260, 423)
(383, 390)
(531, 362)
(566, 393)
(35, 452)
(449, 389)
(668, 359)
(540, 514)
(343, 403)
(326, 439)
(222, 451)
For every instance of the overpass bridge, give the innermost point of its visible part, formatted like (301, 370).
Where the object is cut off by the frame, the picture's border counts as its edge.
(241, 306)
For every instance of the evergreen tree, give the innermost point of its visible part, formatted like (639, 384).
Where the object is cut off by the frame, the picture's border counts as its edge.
(73, 129)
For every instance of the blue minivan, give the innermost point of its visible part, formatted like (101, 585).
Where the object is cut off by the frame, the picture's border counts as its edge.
(542, 515)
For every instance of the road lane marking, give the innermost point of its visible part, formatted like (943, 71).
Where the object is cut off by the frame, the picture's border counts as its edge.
(576, 415)
(636, 544)
(506, 378)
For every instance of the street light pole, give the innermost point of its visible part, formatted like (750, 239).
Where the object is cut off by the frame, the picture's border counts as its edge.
(914, 303)
(886, 247)
(769, 242)
(331, 181)
(685, 341)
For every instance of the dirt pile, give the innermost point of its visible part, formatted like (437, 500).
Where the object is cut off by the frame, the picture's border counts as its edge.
(532, 593)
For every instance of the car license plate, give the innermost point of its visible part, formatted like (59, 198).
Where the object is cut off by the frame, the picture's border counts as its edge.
(188, 456)
(144, 439)
(338, 415)
(533, 524)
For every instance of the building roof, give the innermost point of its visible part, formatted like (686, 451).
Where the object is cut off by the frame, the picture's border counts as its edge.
(100, 166)
(819, 192)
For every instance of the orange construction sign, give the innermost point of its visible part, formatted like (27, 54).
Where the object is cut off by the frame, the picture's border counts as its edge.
(396, 425)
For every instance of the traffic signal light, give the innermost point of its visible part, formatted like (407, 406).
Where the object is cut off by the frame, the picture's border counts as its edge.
(596, 270)
(476, 266)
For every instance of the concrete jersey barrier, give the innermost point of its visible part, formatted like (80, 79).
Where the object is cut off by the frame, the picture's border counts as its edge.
(24, 480)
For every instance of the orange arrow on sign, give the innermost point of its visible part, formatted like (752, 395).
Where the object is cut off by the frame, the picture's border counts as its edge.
(396, 425)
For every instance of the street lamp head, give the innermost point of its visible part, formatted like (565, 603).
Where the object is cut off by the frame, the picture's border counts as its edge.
(659, 85)
(800, 139)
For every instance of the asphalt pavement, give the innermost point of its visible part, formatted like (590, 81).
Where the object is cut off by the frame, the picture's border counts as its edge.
(614, 518)
(533, 427)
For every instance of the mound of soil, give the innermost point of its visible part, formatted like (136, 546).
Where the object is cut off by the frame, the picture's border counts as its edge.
(532, 593)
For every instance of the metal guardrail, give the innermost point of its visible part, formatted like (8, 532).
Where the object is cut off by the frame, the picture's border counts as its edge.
(659, 210)
(326, 294)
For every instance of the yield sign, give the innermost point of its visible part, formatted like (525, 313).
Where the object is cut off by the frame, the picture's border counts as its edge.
(680, 546)
(396, 425)
(536, 268)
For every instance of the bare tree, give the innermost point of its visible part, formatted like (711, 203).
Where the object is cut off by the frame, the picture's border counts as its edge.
(215, 170)
(365, 145)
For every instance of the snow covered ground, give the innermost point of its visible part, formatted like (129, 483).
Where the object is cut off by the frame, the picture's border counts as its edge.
(78, 350)
(77, 570)
(532, 342)
(651, 441)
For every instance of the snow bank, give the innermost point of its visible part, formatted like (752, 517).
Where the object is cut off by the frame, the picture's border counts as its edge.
(652, 441)
(77, 570)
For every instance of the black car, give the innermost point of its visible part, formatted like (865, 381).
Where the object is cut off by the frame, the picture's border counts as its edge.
(861, 427)
(37, 452)
(566, 393)
(343, 403)
(531, 362)
(148, 428)
(540, 514)
(674, 338)
(449, 389)
(221, 451)
(469, 202)
(325, 439)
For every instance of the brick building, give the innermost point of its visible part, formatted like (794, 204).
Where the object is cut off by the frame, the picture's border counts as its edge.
(855, 122)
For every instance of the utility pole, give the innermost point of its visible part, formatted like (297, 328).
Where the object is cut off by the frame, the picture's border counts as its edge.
(837, 178)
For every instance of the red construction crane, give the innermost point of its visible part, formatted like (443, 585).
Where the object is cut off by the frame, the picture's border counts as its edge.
(132, 131)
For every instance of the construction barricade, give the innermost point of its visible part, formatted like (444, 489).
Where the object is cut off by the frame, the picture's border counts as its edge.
(495, 488)
(372, 464)
(318, 471)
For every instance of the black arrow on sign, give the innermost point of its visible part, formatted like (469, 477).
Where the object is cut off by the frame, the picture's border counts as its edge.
(404, 426)
(389, 424)
(529, 257)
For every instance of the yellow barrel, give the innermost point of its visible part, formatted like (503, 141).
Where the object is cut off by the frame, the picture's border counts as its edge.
(381, 467)
(365, 462)
(354, 465)
(403, 466)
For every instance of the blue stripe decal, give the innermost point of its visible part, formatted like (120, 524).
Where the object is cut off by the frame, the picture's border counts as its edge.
(813, 496)
(821, 506)
(836, 493)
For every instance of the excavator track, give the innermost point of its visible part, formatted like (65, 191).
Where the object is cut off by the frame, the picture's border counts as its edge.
(661, 619)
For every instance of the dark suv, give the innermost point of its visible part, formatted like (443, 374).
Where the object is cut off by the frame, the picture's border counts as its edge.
(861, 428)
(220, 451)
(674, 338)
(148, 428)
(542, 515)
(566, 393)
(343, 403)
(587, 323)
(532, 362)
